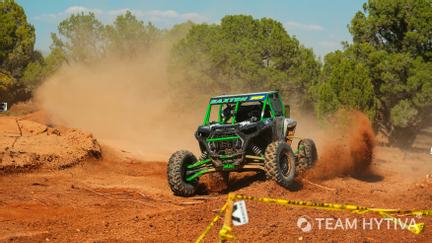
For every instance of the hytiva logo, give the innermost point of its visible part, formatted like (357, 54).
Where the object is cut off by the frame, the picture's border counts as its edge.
(304, 223)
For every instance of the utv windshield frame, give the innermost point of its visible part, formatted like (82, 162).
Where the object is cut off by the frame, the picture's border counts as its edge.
(237, 100)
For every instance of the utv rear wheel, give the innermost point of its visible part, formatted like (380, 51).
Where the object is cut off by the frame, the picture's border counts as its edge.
(280, 163)
(307, 155)
(177, 166)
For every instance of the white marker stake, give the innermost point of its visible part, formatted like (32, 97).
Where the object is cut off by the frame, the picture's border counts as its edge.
(431, 151)
(3, 107)
(239, 216)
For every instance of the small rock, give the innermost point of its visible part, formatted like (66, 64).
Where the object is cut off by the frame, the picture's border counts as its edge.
(300, 238)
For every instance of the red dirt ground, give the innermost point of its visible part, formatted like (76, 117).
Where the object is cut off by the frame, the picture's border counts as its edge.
(120, 199)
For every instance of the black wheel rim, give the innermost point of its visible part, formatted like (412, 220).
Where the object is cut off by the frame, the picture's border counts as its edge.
(284, 164)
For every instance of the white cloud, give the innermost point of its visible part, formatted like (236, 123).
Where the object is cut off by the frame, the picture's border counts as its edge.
(171, 14)
(116, 12)
(302, 26)
(67, 12)
(163, 16)
(80, 9)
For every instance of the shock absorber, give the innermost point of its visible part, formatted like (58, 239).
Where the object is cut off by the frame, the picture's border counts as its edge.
(256, 150)
(204, 155)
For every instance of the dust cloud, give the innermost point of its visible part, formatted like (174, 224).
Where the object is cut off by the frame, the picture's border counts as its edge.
(346, 148)
(126, 103)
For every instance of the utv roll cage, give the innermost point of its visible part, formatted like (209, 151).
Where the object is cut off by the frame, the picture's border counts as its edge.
(266, 100)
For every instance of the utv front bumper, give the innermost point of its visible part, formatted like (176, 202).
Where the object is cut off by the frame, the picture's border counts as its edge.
(226, 144)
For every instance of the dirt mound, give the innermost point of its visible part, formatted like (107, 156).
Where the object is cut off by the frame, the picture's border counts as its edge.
(349, 149)
(27, 145)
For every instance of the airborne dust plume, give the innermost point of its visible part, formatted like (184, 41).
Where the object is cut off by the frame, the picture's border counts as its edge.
(126, 103)
(346, 147)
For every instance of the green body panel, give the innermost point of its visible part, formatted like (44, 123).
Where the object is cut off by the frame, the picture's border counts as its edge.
(298, 149)
(220, 114)
(207, 116)
(228, 166)
(222, 139)
(264, 107)
(273, 114)
(198, 163)
(235, 112)
(198, 174)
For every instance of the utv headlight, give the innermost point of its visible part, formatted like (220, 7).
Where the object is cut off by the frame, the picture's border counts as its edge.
(203, 131)
(203, 134)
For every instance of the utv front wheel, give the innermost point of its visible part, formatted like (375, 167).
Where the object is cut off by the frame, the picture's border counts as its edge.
(280, 163)
(177, 166)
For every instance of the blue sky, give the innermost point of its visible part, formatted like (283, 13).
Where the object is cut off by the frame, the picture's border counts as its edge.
(318, 24)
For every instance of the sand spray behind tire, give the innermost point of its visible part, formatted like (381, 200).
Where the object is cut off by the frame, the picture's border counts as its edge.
(347, 149)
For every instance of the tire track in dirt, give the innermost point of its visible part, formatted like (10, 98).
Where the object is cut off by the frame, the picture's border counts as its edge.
(20, 133)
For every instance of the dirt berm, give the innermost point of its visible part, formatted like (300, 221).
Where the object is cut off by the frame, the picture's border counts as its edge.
(27, 145)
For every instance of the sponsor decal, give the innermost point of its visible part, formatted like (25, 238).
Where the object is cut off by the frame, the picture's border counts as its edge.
(216, 101)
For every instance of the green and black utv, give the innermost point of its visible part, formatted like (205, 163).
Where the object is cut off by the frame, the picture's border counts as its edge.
(243, 132)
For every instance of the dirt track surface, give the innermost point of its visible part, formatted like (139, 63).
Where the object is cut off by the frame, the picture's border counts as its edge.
(118, 199)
